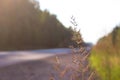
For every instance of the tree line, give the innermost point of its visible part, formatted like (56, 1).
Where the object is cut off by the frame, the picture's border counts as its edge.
(23, 25)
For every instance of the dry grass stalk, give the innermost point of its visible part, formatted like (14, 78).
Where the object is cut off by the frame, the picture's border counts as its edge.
(80, 70)
(91, 76)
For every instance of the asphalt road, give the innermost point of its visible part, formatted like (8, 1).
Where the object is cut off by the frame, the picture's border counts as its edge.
(12, 57)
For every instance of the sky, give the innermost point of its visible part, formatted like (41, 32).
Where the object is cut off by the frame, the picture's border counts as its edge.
(95, 18)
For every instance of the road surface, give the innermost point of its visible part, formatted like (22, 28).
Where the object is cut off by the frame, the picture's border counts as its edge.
(12, 57)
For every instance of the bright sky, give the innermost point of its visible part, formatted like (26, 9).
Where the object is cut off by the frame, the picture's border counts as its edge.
(95, 18)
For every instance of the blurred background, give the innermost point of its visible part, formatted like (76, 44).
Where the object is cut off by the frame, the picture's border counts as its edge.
(46, 24)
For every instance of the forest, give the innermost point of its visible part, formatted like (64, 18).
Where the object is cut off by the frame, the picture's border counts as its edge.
(23, 25)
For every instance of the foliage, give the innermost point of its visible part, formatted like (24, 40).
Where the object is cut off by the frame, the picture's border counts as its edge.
(24, 26)
(105, 57)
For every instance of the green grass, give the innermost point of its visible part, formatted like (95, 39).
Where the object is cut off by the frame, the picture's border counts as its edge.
(106, 65)
(105, 56)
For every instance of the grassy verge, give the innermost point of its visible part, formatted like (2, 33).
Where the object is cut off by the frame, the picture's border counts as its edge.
(106, 65)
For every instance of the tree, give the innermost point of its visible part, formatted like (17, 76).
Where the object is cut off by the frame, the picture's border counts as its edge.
(24, 26)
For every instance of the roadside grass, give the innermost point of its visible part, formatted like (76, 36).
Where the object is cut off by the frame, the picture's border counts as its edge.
(106, 65)
(78, 68)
